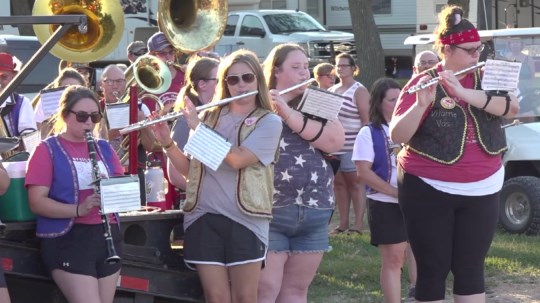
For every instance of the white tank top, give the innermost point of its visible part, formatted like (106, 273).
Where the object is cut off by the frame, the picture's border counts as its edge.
(349, 117)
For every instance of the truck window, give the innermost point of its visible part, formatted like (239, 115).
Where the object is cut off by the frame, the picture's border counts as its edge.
(290, 23)
(251, 26)
(232, 20)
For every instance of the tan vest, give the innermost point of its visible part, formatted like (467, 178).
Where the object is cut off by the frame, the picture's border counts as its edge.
(255, 183)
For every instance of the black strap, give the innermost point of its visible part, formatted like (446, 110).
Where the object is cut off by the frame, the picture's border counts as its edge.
(304, 125)
(323, 123)
(507, 98)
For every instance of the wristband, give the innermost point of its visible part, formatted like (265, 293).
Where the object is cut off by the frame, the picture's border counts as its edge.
(304, 125)
(77, 210)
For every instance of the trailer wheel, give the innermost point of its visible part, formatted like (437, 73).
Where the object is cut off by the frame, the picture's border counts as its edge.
(520, 205)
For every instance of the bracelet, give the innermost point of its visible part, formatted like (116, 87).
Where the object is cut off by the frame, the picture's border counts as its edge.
(323, 123)
(77, 210)
(487, 100)
(165, 147)
(288, 116)
(304, 125)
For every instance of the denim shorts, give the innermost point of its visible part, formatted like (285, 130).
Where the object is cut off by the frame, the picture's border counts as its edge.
(347, 164)
(299, 229)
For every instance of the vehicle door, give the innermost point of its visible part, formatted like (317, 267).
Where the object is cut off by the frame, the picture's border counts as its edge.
(227, 44)
(253, 36)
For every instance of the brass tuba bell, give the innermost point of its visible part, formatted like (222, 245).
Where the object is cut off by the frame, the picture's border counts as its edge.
(103, 32)
(192, 25)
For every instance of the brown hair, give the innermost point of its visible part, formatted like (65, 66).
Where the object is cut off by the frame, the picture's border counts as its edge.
(70, 97)
(196, 70)
(323, 69)
(251, 60)
(69, 73)
(275, 59)
(450, 21)
(377, 95)
(352, 62)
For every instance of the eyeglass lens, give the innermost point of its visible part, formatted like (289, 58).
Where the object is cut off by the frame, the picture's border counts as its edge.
(472, 50)
(114, 81)
(246, 78)
(83, 116)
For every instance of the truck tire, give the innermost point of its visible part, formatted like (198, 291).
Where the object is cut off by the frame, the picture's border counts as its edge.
(519, 210)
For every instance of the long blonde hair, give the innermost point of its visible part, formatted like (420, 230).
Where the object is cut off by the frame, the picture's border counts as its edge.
(251, 60)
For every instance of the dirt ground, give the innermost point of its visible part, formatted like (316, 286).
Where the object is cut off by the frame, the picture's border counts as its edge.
(512, 292)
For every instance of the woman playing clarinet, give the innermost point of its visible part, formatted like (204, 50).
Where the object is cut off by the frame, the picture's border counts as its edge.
(60, 191)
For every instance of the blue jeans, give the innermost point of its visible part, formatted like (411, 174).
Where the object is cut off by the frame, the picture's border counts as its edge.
(299, 229)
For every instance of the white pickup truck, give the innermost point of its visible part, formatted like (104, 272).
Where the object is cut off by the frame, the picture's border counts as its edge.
(261, 30)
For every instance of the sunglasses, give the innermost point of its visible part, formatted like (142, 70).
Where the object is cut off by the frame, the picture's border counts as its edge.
(246, 78)
(471, 51)
(140, 53)
(83, 116)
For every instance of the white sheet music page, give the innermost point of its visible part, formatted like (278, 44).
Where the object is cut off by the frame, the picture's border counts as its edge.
(321, 103)
(50, 100)
(117, 115)
(501, 75)
(31, 141)
(120, 194)
(207, 146)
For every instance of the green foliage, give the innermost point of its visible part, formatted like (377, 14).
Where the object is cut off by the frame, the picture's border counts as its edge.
(350, 272)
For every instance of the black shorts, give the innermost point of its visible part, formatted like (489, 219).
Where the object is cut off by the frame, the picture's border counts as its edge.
(82, 250)
(386, 223)
(217, 240)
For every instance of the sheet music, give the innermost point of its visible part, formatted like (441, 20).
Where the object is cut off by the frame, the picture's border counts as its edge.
(117, 115)
(50, 100)
(207, 146)
(501, 75)
(120, 194)
(31, 141)
(321, 103)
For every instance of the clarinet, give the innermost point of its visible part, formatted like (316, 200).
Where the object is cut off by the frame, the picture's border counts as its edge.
(112, 256)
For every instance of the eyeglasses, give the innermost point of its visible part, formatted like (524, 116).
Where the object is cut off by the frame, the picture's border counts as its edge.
(83, 116)
(429, 62)
(472, 50)
(114, 81)
(210, 79)
(343, 65)
(246, 78)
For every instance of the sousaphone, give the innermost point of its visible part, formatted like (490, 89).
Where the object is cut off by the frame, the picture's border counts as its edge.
(103, 32)
(192, 25)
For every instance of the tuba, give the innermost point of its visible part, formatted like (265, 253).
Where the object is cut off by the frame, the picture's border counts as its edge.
(192, 25)
(100, 36)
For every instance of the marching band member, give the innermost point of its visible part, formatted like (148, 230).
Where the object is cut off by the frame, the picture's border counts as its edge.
(303, 199)
(16, 112)
(226, 221)
(60, 193)
(201, 82)
(450, 172)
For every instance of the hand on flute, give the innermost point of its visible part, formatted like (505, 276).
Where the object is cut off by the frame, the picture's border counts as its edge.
(450, 83)
(426, 96)
(190, 113)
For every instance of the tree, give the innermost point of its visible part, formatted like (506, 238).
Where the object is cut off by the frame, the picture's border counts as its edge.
(369, 49)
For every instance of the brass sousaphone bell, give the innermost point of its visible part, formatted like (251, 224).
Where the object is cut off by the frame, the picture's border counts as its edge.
(192, 25)
(103, 32)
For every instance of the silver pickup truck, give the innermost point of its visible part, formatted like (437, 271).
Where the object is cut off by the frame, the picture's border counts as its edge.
(261, 30)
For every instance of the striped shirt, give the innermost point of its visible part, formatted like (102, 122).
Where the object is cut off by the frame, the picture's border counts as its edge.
(349, 117)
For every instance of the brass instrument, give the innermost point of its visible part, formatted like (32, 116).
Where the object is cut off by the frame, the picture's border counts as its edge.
(192, 25)
(102, 34)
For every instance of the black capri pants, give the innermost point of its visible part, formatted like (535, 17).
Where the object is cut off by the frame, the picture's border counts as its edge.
(447, 232)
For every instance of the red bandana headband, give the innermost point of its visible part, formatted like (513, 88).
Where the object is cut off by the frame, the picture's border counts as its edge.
(470, 35)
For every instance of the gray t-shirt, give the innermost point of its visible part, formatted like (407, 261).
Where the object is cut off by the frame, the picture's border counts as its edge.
(218, 194)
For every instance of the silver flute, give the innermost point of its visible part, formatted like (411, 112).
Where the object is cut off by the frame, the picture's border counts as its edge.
(433, 81)
(175, 115)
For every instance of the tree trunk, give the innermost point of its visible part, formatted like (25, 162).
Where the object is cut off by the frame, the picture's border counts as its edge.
(369, 49)
(464, 5)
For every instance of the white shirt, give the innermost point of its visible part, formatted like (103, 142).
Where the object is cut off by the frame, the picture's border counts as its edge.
(26, 115)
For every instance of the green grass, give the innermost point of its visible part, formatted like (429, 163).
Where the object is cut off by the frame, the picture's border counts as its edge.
(350, 272)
